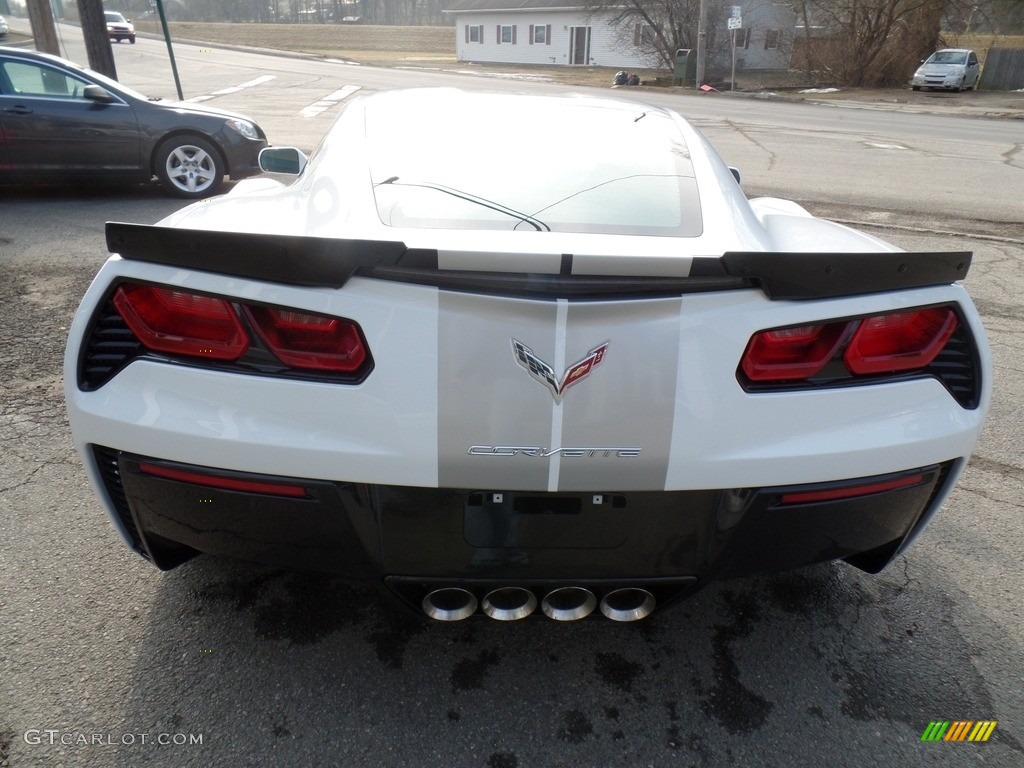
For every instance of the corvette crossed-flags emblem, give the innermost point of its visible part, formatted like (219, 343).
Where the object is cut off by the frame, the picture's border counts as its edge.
(545, 374)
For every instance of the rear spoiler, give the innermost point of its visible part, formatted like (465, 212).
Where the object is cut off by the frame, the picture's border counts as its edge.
(330, 263)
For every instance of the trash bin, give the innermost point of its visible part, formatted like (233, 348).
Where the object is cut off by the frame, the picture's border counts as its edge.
(685, 73)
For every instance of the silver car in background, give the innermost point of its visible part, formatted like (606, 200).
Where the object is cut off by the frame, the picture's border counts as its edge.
(954, 69)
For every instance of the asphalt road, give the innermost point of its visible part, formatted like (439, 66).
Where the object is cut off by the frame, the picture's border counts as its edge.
(949, 165)
(825, 666)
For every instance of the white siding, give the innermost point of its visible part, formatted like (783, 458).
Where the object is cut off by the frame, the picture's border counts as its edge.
(607, 46)
(760, 17)
(613, 47)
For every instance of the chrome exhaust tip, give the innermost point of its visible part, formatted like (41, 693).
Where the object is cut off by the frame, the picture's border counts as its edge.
(627, 604)
(449, 604)
(568, 603)
(509, 603)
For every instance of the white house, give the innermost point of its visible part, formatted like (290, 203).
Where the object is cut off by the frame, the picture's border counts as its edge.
(540, 32)
(554, 32)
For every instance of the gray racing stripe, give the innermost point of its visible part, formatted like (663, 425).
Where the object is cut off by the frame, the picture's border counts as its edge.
(501, 427)
(629, 400)
(485, 398)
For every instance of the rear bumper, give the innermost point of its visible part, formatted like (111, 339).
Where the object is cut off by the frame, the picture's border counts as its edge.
(417, 539)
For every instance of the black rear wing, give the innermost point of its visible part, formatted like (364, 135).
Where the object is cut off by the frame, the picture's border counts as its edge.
(330, 263)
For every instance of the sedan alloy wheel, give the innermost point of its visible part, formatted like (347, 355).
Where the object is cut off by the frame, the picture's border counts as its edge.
(189, 166)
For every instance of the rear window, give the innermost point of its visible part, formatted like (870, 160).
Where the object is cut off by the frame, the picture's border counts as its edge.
(554, 165)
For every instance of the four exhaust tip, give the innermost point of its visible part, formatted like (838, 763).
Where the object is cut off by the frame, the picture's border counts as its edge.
(569, 603)
(509, 603)
(562, 604)
(450, 604)
(627, 604)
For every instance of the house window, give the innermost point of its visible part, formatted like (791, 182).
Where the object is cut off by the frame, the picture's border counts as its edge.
(506, 33)
(539, 34)
(771, 39)
(475, 33)
(744, 40)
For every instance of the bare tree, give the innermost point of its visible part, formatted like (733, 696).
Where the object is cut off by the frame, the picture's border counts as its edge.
(850, 42)
(868, 43)
(658, 27)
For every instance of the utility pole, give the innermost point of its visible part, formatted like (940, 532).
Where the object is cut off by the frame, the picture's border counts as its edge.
(97, 43)
(40, 16)
(702, 19)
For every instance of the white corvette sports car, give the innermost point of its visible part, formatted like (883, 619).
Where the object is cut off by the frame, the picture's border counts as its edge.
(515, 354)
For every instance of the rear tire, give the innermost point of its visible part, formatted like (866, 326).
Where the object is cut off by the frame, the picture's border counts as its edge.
(189, 166)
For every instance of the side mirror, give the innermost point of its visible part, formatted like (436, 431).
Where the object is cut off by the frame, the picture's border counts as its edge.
(735, 174)
(96, 93)
(283, 160)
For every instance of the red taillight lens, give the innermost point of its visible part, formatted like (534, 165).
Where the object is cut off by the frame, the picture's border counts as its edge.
(305, 340)
(785, 354)
(878, 344)
(901, 341)
(180, 322)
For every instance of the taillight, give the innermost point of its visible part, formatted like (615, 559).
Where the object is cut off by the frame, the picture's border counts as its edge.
(791, 353)
(902, 341)
(306, 340)
(843, 350)
(181, 322)
(237, 335)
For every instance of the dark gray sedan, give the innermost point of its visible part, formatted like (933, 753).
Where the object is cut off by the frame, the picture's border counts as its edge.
(63, 123)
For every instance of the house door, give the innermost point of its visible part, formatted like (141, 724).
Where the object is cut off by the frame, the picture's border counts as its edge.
(579, 45)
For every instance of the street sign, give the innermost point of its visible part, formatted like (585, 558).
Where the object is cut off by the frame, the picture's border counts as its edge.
(736, 23)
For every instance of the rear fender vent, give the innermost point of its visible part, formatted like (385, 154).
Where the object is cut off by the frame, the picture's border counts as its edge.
(957, 366)
(110, 472)
(110, 346)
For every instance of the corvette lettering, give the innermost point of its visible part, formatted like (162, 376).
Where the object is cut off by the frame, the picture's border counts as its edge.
(545, 374)
(535, 451)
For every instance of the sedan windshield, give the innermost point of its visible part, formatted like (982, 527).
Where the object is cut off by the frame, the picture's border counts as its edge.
(555, 166)
(948, 57)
